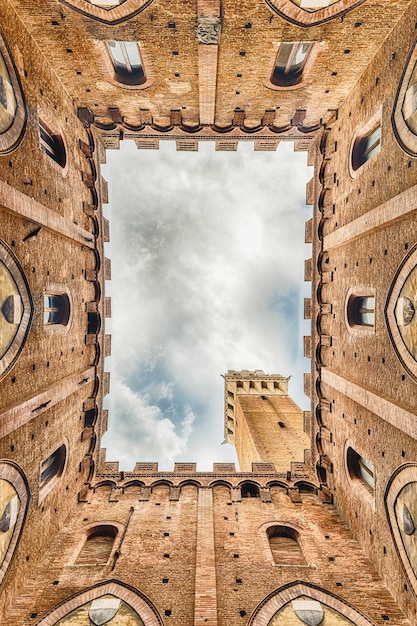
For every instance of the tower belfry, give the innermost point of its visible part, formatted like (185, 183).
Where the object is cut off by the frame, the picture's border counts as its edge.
(262, 421)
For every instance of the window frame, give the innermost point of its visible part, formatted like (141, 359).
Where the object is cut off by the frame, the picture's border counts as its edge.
(304, 76)
(48, 483)
(63, 323)
(357, 162)
(355, 293)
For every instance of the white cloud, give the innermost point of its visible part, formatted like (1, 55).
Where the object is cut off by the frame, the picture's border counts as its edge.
(207, 267)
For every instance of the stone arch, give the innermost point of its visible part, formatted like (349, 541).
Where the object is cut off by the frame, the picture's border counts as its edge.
(221, 483)
(400, 316)
(190, 481)
(278, 599)
(115, 15)
(11, 135)
(137, 601)
(14, 500)
(290, 11)
(404, 121)
(16, 309)
(401, 510)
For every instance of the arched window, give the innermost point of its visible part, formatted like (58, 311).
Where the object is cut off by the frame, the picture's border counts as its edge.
(127, 62)
(285, 549)
(52, 144)
(361, 310)
(365, 147)
(361, 469)
(56, 309)
(98, 546)
(51, 469)
(290, 63)
(249, 490)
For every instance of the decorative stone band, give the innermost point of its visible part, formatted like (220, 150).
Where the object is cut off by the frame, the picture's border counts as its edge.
(17, 202)
(297, 15)
(27, 409)
(277, 600)
(139, 603)
(390, 211)
(120, 11)
(392, 413)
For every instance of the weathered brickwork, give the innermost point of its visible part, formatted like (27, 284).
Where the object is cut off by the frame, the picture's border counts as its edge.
(189, 548)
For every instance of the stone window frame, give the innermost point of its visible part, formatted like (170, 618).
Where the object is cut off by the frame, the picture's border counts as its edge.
(361, 132)
(307, 74)
(54, 129)
(295, 14)
(11, 138)
(403, 134)
(8, 258)
(107, 69)
(360, 291)
(403, 475)
(50, 484)
(356, 482)
(136, 600)
(303, 540)
(86, 532)
(276, 600)
(13, 474)
(116, 15)
(407, 266)
(58, 289)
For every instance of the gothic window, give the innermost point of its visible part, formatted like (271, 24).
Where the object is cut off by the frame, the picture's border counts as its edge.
(359, 468)
(311, 12)
(365, 147)
(313, 5)
(56, 309)
(361, 311)
(290, 63)
(98, 546)
(14, 497)
(12, 108)
(127, 62)
(52, 144)
(51, 469)
(284, 546)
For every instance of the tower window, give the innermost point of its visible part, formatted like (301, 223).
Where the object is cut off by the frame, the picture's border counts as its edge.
(52, 144)
(127, 62)
(365, 147)
(56, 309)
(290, 63)
(361, 469)
(361, 311)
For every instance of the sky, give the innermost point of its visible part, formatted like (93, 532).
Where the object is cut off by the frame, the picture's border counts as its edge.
(207, 252)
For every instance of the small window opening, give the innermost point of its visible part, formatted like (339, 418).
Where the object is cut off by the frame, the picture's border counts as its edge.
(249, 491)
(284, 545)
(290, 63)
(127, 62)
(98, 546)
(56, 309)
(93, 323)
(361, 311)
(52, 144)
(366, 147)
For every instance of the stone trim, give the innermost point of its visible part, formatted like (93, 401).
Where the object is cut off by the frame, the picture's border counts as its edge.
(139, 603)
(395, 415)
(278, 599)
